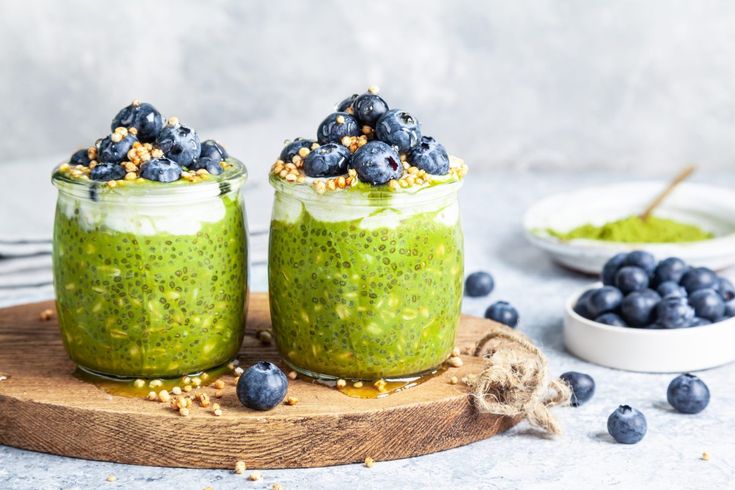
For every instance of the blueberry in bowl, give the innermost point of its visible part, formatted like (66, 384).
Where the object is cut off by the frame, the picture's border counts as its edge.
(631, 278)
(142, 117)
(699, 278)
(398, 128)
(337, 126)
(611, 268)
(327, 160)
(707, 304)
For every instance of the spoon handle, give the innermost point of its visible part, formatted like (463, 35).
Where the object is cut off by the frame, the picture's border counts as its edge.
(680, 177)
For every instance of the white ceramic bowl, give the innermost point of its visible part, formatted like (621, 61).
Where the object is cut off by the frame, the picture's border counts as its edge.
(647, 350)
(711, 208)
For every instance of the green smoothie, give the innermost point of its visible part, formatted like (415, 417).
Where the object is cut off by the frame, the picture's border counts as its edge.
(152, 286)
(365, 289)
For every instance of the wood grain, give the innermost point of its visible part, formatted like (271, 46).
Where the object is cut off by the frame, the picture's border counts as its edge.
(45, 408)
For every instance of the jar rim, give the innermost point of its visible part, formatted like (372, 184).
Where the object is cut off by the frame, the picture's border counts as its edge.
(368, 195)
(216, 185)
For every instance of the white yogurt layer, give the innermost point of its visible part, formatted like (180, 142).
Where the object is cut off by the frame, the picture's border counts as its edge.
(136, 216)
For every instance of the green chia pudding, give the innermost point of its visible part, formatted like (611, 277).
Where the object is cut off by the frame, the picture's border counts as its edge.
(150, 271)
(365, 266)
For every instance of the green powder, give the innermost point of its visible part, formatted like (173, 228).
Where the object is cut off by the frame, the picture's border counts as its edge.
(635, 230)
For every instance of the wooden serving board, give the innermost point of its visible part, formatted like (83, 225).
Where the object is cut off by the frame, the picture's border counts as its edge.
(43, 407)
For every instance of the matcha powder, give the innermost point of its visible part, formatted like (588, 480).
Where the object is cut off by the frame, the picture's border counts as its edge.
(635, 230)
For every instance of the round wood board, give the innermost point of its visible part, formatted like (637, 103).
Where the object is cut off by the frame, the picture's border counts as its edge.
(45, 408)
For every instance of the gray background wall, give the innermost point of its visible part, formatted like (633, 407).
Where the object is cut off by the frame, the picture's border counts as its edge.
(544, 84)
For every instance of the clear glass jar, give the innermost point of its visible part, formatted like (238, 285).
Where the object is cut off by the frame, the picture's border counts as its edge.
(365, 283)
(151, 278)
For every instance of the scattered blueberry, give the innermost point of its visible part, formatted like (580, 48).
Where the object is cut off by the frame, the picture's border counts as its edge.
(638, 308)
(346, 103)
(699, 278)
(631, 278)
(141, 116)
(674, 312)
(627, 425)
(644, 260)
(582, 385)
(708, 304)
(368, 108)
(603, 300)
(110, 151)
(726, 289)
(503, 312)
(671, 269)
(479, 284)
(688, 394)
(80, 158)
(336, 126)
(671, 288)
(580, 307)
(377, 163)
(430, 156)
(292, 149)
(327, 161)
(161, 170)
(179, 143)
(210, 158)
(262, 387)
(611, 319)
(611, 268)
(398, 128)
(107, 171)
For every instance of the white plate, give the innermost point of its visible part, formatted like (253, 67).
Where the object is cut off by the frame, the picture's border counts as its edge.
(711, 208)
(648, 350)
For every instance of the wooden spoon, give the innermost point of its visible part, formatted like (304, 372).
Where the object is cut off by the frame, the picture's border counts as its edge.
(680, 177)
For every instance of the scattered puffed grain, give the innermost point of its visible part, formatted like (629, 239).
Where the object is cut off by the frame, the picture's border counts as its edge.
(219, 384)
(187, 388)
(292, 375)
(456, 352)
(184, 412)
(369, 462)
(705, 456)
(139, 383)
(164, 396)
(453, 380)
(357, 384)
(265, 337)
(176, 390)
(255, 476)
(47, 314)
(111, 478)
(240, 467)
(341, 383)
(239, 371)
(276, 486)
(152, 396)
(291, 400)
(455, 361)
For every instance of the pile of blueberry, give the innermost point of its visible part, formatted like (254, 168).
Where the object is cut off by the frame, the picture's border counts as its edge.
(364, 134)
(479, 284)
(142, 144)
(639, 292)
(686, 393)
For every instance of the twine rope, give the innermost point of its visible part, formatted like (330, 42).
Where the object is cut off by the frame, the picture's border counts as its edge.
(515, 382)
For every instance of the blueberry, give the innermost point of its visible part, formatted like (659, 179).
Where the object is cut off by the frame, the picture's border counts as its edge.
(603, 300)
(699, 278)
(179, 143)
(398, 128)
(611, 267)
(292, 148)
(611, 319)
(346, 103)
(336, 126)
(161, 170)
(143, 117)
(210, 158)
(700, 322)
(368, 108)
(479, 284)
(708, 304)
(107, 171)
(674, 312)
(688, 394)
(671, 269)
(627, 425)
(671, 288)
(262, 387)
(644, 260)
(726, 289)
(581, 306)
(110, 151)
(377, 163)
(80, 158)
(327, 161)
(631, 278)
(502, 312)
(639, 308)
(582, 385)
(429, 155)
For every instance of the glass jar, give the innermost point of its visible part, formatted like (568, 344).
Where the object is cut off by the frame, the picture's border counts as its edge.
(151, 278)
(365, 283)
